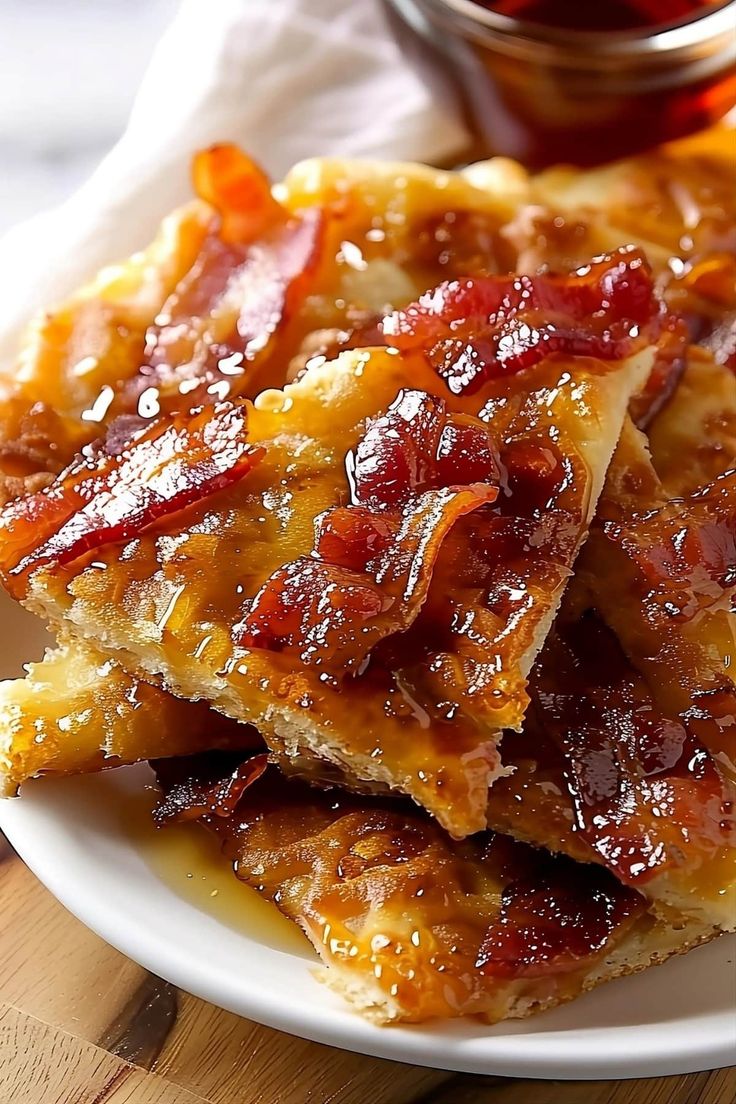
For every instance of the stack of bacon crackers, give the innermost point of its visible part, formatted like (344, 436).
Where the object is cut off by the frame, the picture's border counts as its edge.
(391, 513)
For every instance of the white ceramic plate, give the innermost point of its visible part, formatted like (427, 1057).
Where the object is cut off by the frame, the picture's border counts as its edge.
(73, 833)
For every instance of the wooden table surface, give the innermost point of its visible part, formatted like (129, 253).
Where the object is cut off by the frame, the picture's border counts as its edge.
(82, 1024)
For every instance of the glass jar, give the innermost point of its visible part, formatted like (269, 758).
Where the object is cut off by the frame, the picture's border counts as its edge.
(543, 94)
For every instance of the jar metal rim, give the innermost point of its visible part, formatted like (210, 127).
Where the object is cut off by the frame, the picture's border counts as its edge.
(688, 37)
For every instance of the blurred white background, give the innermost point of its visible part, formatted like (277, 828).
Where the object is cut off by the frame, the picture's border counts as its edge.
(69, 70)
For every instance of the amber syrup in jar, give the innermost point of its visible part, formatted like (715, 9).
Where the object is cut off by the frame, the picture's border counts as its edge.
(599, 15)
(546, 81)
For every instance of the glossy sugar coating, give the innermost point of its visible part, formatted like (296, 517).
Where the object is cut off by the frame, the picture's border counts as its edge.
(677, 203)
(658, 209)
(421, 224)
(165, 324)
(661, 572)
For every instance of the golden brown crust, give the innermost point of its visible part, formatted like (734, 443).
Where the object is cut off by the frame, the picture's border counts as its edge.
(77, 711)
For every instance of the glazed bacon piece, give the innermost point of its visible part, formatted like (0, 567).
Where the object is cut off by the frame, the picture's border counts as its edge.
(463, 656)
(102, 499)
(669, 365)
(333, 614)
(252, 272)
(662, 574)
(344, 243)
(414, 473)
(647, 797)
(474, 330)
(240, 192)
(410, 924)
(418, 446)
(553, 918)
(685, 553)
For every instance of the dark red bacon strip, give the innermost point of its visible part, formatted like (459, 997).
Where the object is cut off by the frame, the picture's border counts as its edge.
(252, 271)
(643, 790)
(492, 579)
(669, 364)
(475, 330)
(334, 615)
(218, 796)
(560, 915)
(416, 471)
(414, 447)
(686, 551)
(103, 499)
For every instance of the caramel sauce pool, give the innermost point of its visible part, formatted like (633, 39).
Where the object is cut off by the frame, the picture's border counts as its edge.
(188, 861)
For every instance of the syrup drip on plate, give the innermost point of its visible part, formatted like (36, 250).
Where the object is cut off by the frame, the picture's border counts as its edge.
(188, 860)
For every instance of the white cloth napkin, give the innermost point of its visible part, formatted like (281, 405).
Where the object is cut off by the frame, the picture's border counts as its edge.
(286, 79)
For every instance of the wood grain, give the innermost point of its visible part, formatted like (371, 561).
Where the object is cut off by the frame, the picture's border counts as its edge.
(81, 1024)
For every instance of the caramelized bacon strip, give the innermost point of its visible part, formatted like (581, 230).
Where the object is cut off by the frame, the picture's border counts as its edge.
(462, 654)
(417, 446)
(555, 919)
(192, 799)
(662, 574)
(252, 271)
(646, 796)
(372, 563)
(669, 365)
(239, 190)
(333, 615)
(103, 499)
(622, 743)
(475, 330)
(685, 553)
